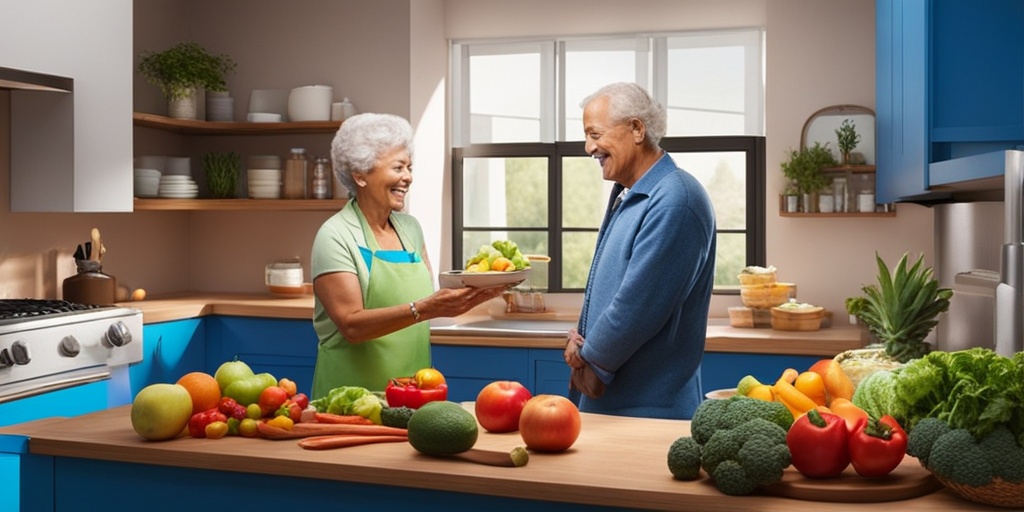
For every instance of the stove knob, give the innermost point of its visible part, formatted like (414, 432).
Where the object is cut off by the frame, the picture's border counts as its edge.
(5, 359)
(118, 334)
(19, 350)
(69, 347)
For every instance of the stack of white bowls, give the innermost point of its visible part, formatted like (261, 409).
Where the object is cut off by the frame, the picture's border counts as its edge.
(264, 177)
(147, 182)
(176, 186)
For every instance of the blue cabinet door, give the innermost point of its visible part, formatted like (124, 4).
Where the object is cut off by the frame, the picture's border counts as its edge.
(550, 373)
(468, 369)
(170, 350)
(281, 347)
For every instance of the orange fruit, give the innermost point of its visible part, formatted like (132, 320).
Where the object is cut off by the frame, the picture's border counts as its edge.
(203, 389)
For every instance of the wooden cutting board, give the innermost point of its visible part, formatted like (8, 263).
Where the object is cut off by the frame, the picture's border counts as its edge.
(908, 480)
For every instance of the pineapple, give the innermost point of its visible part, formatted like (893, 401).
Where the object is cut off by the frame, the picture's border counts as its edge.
(902, 308)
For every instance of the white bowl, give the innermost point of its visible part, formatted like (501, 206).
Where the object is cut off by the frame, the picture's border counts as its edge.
(310, 103)
(147, 186)
(176, 178)
(273, 101)
(263, 117)
(149, 173)
(264, 174)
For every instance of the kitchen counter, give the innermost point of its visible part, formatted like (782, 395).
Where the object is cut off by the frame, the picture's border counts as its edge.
(635, 447)
(721, 336)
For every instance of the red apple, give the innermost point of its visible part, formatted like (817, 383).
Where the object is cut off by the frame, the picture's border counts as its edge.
(549, 423)
(271, 398)
(499, 405)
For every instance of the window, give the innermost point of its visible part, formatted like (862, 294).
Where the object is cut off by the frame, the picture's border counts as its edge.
(520, 171)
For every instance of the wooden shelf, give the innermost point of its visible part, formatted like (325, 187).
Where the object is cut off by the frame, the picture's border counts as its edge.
(841, 214)
(194, 127)
(155, 204)
(852, 169)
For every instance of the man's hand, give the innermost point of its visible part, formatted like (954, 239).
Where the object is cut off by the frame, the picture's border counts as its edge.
(585, 380)
(572, 350)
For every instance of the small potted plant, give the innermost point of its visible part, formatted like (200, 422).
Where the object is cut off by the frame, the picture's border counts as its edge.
(182, 69)
(222, 170)
(805, 169)
(848, 139)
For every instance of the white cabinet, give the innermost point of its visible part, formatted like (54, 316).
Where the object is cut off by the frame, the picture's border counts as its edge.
(71, 152)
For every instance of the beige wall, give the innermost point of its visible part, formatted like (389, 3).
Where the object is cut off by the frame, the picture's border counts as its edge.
(390, 56)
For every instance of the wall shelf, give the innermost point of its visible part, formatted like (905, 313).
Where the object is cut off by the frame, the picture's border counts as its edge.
(155, 204)
(195, 127)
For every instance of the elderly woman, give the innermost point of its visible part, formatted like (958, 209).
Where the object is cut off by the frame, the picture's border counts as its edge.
(373, 284)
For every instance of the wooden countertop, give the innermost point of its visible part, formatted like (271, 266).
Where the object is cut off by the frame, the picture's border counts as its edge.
(636, 447)
(720, 338)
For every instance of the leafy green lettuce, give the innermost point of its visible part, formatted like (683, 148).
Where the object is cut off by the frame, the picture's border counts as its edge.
(348, 400)
(974, 389)
(498, 249)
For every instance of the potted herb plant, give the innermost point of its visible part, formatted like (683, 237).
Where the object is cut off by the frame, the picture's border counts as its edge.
(804, 168)
(222, 170)
(848, 139)
(902, 309)
(182, 69)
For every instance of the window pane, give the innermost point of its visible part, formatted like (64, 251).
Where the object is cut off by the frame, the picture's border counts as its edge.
(577, 253)
(724, 176)
(584, 192)
(714, 84)
(505, 97)
(590, 65)
(730, 258)
(506, 192)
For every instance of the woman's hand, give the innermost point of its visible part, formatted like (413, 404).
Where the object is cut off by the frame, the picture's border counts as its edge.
(449, 302)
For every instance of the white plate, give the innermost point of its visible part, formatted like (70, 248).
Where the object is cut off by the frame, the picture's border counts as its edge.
(462, 279)
(720, 394)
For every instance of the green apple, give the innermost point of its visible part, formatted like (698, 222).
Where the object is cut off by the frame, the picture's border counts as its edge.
(267, 379)
(246, 391)
(230, 372)
(161, 411)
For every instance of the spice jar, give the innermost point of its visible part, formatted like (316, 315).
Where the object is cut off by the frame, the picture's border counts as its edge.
(320, 179)
(90, 285)
(295, 170)
(839, 195)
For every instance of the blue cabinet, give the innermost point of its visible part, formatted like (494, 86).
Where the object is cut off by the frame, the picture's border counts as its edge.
(950, 83)
(170, 350)
(281, 347)
(723, 370)
(468, 369)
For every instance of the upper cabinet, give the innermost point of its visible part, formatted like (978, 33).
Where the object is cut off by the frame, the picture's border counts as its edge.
(71, 152)
(950, 84)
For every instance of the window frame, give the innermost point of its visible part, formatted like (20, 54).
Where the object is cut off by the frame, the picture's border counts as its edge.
(751, 145)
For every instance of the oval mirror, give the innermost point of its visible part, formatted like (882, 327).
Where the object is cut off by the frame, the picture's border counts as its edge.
(822, 125)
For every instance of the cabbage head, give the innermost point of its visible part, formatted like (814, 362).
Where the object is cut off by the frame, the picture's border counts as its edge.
(349, 400)
(876, 394)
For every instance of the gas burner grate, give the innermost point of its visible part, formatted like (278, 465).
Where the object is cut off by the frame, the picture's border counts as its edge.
(31, 308)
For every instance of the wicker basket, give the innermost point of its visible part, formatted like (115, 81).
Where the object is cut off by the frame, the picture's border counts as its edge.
(999, 492)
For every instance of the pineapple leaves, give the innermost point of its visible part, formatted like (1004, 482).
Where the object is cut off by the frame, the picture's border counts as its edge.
(902, 308)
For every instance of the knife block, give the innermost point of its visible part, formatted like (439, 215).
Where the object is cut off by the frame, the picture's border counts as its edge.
(90, 285)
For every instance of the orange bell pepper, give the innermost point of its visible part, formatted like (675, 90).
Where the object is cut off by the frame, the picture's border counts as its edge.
(812, 385)
(797, 402)
(848, 411)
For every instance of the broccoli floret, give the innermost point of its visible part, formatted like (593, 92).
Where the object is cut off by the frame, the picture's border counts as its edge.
(732, 479)
(957, 457)
(756, 448)
(922, 437)
(397, 417)
(1007, 457)
(714, 415)
(684, 459)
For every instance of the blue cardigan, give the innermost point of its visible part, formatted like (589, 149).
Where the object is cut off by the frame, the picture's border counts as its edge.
(645, 307)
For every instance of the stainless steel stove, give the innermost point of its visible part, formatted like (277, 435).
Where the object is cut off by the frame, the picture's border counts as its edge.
(47, 345)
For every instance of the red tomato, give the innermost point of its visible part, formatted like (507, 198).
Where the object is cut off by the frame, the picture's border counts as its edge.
(549, 423)
(271, 399)
(499, 405)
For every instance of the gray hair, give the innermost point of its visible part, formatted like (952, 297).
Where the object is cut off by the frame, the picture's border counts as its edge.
(362, 139)
(627, 100)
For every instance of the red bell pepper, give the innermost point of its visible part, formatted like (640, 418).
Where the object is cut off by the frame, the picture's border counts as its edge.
(818, 444)
(877, 446)
(198, 422)
(403, 392)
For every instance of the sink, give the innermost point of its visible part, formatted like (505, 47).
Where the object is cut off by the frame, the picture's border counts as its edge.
(508, 327)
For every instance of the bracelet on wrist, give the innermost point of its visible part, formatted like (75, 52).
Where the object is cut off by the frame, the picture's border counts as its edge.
(415, 313)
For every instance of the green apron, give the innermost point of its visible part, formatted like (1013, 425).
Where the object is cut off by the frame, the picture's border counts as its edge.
(396, 277)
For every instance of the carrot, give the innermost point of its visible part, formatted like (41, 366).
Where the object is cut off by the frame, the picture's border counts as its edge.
(797, 402)
(301, 430)
(341, 419)
(345, 440)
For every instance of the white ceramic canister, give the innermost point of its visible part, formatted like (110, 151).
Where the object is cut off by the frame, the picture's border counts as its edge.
(310, 103)
(284, 274)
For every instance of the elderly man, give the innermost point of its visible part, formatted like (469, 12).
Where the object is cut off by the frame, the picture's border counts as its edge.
(638, 346)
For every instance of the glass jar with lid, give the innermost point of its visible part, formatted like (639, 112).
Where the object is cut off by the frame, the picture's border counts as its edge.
(295, 171)
(320, 179)
(839, 194)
